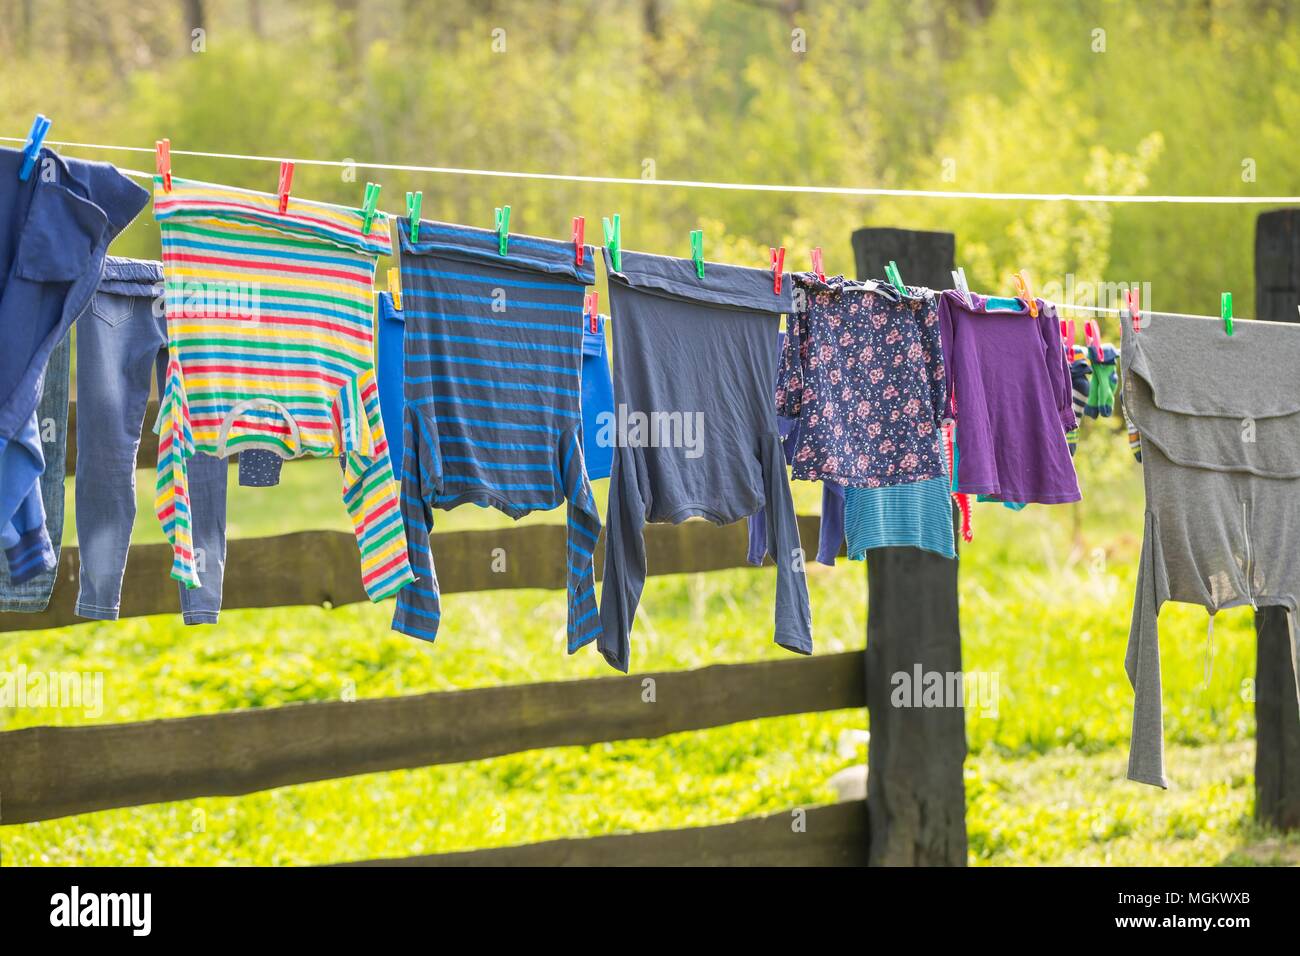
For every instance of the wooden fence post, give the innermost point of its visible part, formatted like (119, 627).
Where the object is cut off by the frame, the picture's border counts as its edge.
(1277, 733)
(916, 798)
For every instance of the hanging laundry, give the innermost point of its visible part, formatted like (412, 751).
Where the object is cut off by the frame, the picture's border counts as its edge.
(693, 373)
(1010, 384)
(259, 468)
(597, 400)
(1220, 421)
(121, 349)
(1080, 375)
(863, 371)
(390, 356)
(55, 228)
(831, 536)
(270, 321)
(33, 595)
(493, 364)
(1105, 380)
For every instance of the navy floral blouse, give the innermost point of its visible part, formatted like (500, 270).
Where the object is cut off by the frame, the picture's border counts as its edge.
(862, 370)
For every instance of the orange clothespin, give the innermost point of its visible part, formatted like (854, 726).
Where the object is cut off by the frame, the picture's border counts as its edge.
(579, 230)
(778, 267)
(286, 181)
(817, 264)
(591, 307)
(1022, 290)
(395, 288)
(163, 162)
(1133, 299)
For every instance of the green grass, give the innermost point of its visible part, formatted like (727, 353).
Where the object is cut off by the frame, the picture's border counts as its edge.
(1045, 593)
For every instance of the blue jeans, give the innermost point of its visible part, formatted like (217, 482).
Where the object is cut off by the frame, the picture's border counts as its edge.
(121, 343)
(33, 594)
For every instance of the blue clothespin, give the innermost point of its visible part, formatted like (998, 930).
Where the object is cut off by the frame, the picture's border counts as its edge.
(697, 251)
(368, 208)
(413, 203)
(32, 149)
(503, 229)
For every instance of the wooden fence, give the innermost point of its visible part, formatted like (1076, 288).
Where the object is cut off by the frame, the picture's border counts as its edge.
(50, 772)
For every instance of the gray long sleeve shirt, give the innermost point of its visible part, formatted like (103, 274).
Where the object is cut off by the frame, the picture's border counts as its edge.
(1219, 417)
(696, 429)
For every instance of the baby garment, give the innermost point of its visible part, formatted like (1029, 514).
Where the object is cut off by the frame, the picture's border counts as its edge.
(389, 359)
(1080, 374)
(121, 350)
(270, 331)
(54, 231)
(597, 400)
(493, 366)
(33, 594)
(1220, 423)
(693, 372)
(259, 468)
(1009, 382)
(862, 370)
(831, 534)
(1105, 380)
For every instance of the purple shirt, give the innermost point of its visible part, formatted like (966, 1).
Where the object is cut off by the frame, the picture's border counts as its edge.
(1009, 383)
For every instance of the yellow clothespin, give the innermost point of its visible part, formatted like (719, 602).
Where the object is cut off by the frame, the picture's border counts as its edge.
(1022, 290)
(395, 289)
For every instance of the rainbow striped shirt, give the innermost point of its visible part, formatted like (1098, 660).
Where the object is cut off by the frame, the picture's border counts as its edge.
(270, 333)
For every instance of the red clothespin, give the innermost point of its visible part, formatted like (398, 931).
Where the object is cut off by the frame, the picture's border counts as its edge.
(286, 181)
(163, 162)
(778, 267)
(817, 264)
(590, 305)
(1067, 338)
(579, 230)
(1092, 335)
(1133, 299)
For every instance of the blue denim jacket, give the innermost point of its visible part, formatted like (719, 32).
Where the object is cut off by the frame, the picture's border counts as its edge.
(54, 232)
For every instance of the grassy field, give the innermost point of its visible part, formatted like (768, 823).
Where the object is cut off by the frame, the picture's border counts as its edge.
(1045, 593)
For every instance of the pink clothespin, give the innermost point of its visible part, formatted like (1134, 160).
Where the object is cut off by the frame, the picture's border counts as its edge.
(286, 181)
(817, 264)
(778, 267)
(163, 162)
(1067, 338)
(1092, 335)
(590, 305)
(1133, 299)
(579, 230)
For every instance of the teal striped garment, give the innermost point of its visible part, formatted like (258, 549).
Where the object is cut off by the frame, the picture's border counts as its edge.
(917, 515)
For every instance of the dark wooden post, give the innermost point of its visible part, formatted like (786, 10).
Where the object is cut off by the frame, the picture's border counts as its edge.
(916, 799)
(1277, 733)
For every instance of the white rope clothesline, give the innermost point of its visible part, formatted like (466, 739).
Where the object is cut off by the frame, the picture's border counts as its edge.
(1100, 310)
(698, 184)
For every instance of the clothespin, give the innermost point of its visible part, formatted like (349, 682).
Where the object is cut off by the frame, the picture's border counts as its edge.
(697, 251)
(369, 206)
(959, 283)
(286, 181)
(1225, 309)
(1092, 337)
(614, 240)
(413, 203)
(1067, 337)
(1133, 299)
(579, 246)
(590, 308)
(32, 149)
(162, 152)
(817, 264)
(503, 229)
(778, 267)
(395, 289)
(891, 273)
(1022, 290)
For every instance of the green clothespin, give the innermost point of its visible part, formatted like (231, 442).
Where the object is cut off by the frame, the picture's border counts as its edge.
(697, 251)
(891, 273)
(413, 203)
(614, 241)
(1225, 309)
(503, 229)
(368, 208)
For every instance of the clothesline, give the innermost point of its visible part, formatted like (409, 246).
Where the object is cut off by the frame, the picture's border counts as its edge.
(1098, 310)
(699, 184)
